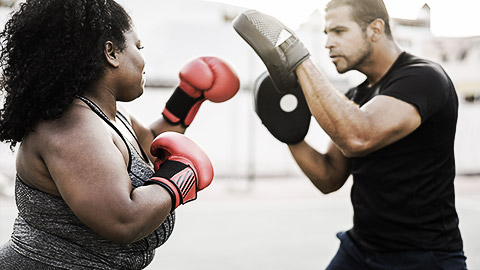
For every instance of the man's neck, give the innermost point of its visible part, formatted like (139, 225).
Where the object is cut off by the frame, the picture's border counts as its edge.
(381, 59)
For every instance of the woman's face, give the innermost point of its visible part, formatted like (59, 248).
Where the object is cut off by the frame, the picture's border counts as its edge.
(131, 67)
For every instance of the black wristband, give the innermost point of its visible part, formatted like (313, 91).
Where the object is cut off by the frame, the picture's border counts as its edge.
(180, 104)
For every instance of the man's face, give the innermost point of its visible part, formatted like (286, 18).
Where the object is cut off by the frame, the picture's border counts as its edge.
(346, 41)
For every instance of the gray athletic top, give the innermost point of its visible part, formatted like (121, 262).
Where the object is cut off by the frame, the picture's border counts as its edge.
(47, 230)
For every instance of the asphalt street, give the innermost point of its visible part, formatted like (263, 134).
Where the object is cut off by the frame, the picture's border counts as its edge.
(280, 224)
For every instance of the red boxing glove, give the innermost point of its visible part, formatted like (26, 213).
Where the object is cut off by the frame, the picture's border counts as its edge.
(200, 79)
(182, 167)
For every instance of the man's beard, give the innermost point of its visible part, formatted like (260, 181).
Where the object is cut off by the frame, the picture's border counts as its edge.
(360, 57)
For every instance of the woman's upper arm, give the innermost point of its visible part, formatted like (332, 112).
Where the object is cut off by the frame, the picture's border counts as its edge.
(91, 176)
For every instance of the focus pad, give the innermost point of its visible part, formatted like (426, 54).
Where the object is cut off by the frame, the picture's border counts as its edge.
(285, 115)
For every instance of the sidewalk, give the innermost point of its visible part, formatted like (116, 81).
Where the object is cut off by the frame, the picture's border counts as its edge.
(282, 225)
(278, 224)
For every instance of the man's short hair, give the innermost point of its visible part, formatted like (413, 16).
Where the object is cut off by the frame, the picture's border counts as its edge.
(364, 12)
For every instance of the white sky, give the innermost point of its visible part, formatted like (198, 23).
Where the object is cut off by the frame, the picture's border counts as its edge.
(451, 18)
(448, 17)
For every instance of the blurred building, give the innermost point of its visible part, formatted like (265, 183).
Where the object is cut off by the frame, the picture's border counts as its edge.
(238, 144)
(173, 34)
(460, 57)
(178, 34)
(7, 3)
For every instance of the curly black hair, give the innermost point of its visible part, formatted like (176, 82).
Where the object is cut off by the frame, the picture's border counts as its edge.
(51, 51)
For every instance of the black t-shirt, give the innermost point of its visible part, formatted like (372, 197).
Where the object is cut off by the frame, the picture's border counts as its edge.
(403, 194)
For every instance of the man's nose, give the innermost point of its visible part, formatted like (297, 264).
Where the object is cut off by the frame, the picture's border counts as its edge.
(329, 43)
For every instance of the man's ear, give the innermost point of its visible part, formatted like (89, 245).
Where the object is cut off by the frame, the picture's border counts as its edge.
(376, 29)
(111, 54)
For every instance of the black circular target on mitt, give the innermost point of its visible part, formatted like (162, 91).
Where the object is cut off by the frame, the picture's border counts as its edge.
(285, 115)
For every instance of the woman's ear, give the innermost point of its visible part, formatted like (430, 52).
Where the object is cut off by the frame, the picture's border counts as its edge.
(111, 54)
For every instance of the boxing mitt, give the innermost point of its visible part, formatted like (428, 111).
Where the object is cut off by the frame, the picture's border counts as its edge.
(287, 115)
(181, 167)
(279, 48)
(203, 78)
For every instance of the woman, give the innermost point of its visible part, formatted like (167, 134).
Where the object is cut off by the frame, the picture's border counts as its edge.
(81, 168)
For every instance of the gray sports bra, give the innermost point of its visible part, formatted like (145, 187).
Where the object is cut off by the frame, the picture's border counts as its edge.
(47, 230)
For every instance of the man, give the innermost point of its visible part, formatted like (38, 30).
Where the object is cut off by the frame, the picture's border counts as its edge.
(394, 133)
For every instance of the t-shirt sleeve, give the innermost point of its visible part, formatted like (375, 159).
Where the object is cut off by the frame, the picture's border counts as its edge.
(424, 86)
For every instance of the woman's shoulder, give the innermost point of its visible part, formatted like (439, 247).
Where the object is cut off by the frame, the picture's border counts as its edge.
(78, 122)
(75, 131)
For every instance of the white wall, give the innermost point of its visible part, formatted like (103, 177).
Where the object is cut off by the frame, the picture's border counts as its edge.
(240, 146)
(230, 132)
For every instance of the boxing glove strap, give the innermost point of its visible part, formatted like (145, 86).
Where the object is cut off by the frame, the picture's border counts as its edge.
(164, 183)
(177, 185)
(178, 106)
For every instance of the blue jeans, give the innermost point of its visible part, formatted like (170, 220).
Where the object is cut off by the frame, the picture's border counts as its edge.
(350, 257)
